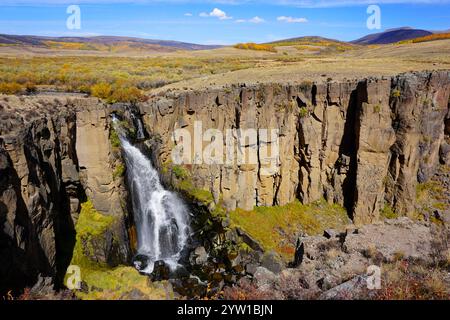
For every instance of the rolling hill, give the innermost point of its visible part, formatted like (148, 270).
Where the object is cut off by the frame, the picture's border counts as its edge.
(310, 40)
(101, 43)
(392, 36)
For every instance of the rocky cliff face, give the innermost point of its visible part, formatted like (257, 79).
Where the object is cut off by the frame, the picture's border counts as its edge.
(362, 144)
(39, 190)
(42, 141)
(105, 188)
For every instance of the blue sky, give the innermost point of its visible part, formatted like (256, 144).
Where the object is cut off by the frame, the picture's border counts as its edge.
(219, 21)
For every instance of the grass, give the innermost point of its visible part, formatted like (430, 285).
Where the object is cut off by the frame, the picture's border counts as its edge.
(11, 88)
(315, 44)
(80, 73)
(102, 76)
(119, 171)
(180, 172)
(271, 226)
(388, 212)
(407, 281)
(431, 192)
(120, 283)
(303, 113)
(91, 226)
(102, 281)
(396, 93)
(114, 138)
(428, 189)
(185, 185)
(431, 37)
(203, 196)
(429, 197)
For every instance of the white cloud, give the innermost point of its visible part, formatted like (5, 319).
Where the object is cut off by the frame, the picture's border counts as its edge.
(256, 20)
(217, 13)
(292, 19)
(188, 14)
(252, 20)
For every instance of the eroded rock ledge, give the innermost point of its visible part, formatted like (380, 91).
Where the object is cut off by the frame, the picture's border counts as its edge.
(362, 144)
(54, 154)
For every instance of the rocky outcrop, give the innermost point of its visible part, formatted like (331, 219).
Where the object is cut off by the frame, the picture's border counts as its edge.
(40, 191)
(420, 105)
(338, 266)
(362, 144)
(44, 142)
(106, 190)
(94, 156)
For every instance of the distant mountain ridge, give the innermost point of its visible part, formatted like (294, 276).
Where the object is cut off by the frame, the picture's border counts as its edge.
(309, 39)
(103, 40)
(386, 37)
(392, 36)
(121, 43)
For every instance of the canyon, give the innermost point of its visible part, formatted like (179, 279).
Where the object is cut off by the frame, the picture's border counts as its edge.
(363, 144)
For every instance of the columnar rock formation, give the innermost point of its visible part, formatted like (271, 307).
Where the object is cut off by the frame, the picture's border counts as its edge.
(42, 141)
(39, 191)
(361, 144)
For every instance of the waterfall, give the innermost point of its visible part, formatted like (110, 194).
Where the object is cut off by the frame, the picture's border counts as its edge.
(139, 127)
(161, 218)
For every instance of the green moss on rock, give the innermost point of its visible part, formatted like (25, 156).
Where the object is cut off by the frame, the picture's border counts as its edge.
(114, 138)
(90, 229)
(180, 172)
(276, 228)
(101, 281)
(119, 171)
(122, 283)
(388, 212)
(183, 182)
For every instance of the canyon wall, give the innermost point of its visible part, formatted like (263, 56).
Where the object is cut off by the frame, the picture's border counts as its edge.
(362, 144)
(44, 142)
(40, 190)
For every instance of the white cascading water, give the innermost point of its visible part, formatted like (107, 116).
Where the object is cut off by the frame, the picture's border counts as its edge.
(161, 218)
(139, 127)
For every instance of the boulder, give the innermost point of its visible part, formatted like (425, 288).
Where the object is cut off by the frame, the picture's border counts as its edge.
(444, 153)
(141, 262)
(401, 237)
(265, 279)
(349, 290)
(272, 262)
(161, 271)
(199, 256)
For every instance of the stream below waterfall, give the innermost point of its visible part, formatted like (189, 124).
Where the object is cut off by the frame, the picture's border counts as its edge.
(160, 216)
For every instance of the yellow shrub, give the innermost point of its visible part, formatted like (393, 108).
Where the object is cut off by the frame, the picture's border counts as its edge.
(254, 46)
(10, 88)
(126, 94)
(101, 90)
(431, 37)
